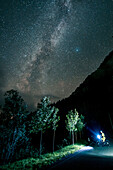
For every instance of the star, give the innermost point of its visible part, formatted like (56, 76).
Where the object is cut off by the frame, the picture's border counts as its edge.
(77, 49)
(50, 47)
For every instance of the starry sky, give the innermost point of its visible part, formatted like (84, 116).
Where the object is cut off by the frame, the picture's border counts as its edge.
(49, 47)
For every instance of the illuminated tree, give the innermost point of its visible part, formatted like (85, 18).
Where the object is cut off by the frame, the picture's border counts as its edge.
(71, 122)
(55, 119)
(42, 119)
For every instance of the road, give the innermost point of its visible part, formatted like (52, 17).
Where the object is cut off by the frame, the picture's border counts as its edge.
(89, 158)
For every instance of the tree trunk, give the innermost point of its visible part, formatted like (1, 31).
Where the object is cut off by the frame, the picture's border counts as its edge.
(80, 134)
(110, 121)
(69, 136)
(73, 137)
(40, 142)
(53, 140)
(76, 136)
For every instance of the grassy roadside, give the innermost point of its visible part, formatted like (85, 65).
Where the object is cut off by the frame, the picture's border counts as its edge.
(43, 160)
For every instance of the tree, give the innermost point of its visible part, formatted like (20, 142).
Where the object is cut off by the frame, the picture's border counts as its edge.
(71, 123)
(14, 107)
(13, 126)
(42, 119)
(55, 120)
(80, 124)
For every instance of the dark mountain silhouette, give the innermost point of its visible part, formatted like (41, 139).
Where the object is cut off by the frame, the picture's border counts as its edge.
(93, 98)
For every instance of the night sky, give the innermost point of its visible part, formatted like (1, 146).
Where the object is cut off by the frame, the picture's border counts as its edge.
(49, 47)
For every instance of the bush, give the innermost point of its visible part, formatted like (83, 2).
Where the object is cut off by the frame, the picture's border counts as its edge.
(64, 142)
(44, 160)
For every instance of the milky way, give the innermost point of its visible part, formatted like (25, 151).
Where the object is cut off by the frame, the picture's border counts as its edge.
(48, 47)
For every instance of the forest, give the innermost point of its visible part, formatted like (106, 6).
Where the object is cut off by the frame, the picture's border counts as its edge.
(26, 134)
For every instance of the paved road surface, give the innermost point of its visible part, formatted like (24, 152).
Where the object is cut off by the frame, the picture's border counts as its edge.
(89, 158)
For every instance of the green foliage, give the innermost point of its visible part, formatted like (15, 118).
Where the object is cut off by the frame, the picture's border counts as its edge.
(13, 103)
(17, 126)
(80, 123)
(14, 111)
(13, 126)
(72, 119)
(55, 118)
(44, 160)
(42, 117)
(74, 123)
(45, 117)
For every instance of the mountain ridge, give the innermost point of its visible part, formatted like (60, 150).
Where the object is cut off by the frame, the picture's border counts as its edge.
(94, 97)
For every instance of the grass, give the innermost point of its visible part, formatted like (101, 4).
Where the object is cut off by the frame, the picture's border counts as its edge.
(44, 160)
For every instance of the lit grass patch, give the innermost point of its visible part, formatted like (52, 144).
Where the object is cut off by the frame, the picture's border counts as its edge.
(43, 160)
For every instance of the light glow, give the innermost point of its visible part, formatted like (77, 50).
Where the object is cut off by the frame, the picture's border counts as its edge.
(98, 136)
(87, 148)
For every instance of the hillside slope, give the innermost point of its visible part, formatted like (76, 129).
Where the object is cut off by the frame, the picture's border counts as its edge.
(94, 97)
